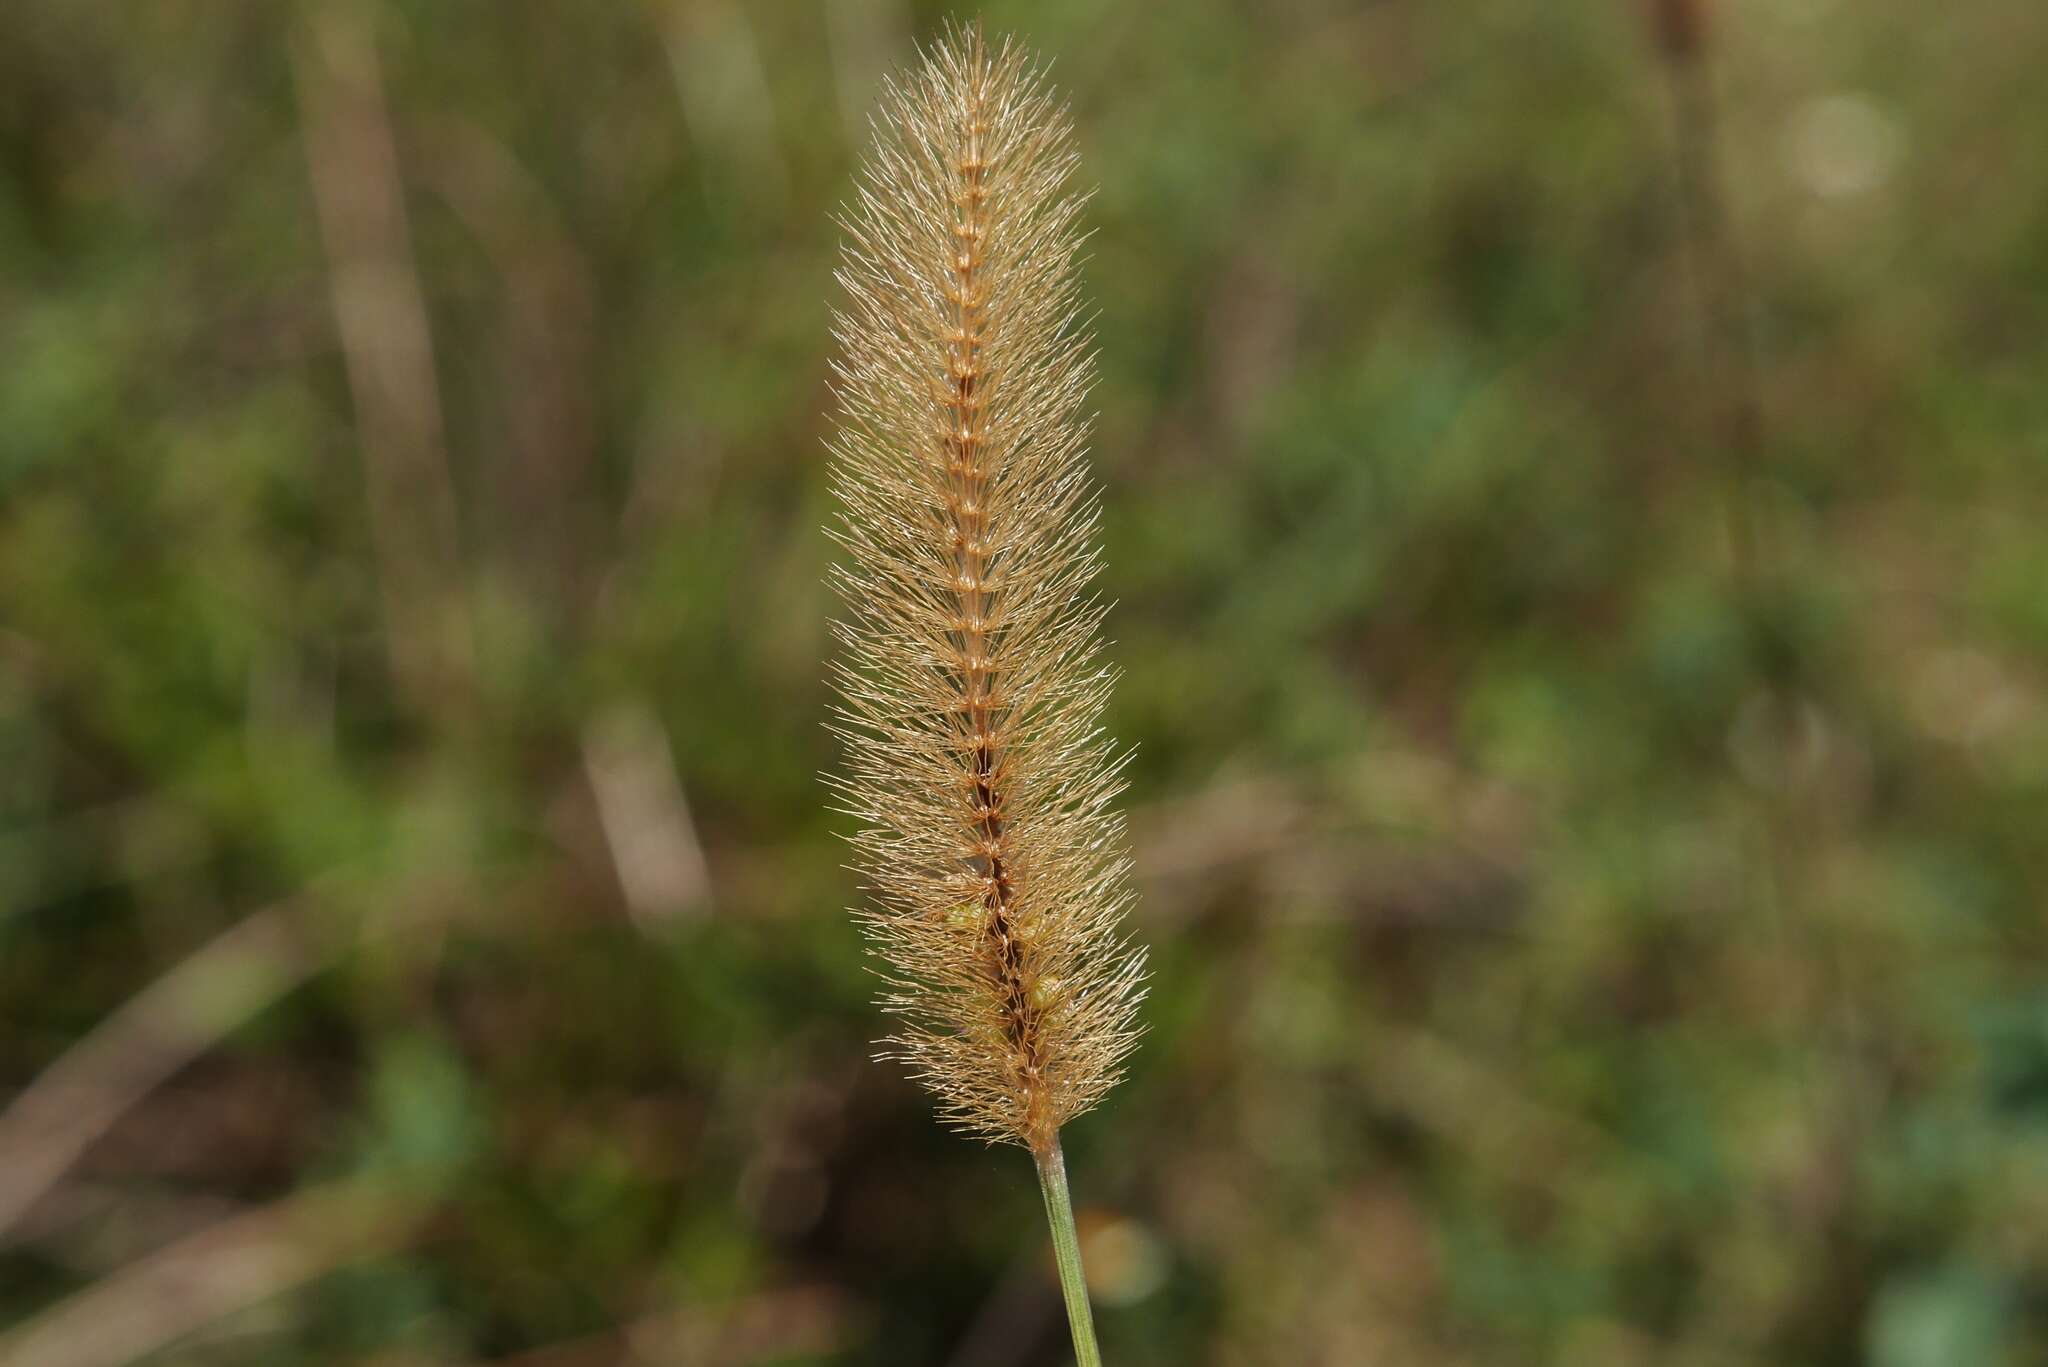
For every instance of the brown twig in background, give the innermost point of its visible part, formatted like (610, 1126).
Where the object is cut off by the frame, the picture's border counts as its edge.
(173, 1022)
(238, 1263)
(545, 352)
(646, 817)
(381, 313)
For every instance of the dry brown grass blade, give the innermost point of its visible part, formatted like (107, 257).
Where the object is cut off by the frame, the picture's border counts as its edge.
(387, 347)
(175, 1020)
(238, 1263)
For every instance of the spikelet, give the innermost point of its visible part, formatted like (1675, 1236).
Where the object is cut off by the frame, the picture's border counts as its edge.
(969, 676)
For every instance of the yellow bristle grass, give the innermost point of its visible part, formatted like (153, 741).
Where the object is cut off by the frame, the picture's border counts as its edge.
(970, 675)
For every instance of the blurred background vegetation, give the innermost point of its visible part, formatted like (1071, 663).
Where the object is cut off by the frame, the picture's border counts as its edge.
(1574, 486)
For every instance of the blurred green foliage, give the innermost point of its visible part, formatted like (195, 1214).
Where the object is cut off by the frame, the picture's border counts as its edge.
(1575, 514)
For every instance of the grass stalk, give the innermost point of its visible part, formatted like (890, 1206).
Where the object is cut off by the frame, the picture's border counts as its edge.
(1066, 1252)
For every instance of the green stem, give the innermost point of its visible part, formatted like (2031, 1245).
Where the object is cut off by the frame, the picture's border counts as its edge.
(1066, 1251)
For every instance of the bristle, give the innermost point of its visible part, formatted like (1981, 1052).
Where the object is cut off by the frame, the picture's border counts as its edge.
(970, 676)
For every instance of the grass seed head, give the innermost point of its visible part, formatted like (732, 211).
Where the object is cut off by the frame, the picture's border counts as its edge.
(970, 679)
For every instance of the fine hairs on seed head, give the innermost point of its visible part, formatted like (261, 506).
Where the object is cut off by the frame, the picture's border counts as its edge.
(969, 673)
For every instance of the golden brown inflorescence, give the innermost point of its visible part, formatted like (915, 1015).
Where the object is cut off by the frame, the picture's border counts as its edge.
(970, 677)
